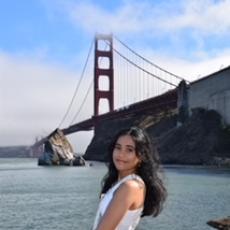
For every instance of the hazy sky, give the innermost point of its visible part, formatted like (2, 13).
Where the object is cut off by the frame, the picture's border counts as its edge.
(44, 44)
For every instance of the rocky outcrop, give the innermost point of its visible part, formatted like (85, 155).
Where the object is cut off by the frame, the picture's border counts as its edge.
(97, 149)
(222, 224)
(201, 139)
(58, 151)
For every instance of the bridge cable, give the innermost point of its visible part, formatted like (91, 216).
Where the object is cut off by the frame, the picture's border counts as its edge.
(137, 66)
(176, 76)
(86, 95)
(78, 85)
(83, 102)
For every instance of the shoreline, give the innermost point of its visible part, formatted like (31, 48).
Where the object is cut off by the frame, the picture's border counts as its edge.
(164, 166)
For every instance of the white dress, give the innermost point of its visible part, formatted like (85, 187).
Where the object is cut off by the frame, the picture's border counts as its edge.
(131, 218)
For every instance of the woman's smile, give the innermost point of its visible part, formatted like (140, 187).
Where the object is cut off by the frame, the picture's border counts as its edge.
(120, 161)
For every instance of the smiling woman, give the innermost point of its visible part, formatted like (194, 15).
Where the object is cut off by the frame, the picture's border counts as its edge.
(132, 187)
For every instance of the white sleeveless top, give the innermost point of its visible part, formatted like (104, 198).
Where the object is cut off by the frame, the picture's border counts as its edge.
(131, 218)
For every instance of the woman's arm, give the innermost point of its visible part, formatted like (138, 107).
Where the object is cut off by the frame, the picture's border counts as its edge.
(124, 198)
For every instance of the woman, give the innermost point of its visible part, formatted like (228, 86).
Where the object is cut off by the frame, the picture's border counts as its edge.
(132, 187)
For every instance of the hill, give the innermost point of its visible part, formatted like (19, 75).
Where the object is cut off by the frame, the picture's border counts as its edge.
(200, 140)
(15, 151)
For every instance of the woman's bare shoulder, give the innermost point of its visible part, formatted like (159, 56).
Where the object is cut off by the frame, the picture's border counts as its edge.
(133, 184)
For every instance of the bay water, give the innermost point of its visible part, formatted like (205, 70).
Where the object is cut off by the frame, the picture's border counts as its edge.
(66, 198)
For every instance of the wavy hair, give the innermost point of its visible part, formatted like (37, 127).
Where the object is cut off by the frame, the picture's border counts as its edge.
(148, 170)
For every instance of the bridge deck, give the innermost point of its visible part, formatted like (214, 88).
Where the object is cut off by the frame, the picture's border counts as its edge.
(153, 105)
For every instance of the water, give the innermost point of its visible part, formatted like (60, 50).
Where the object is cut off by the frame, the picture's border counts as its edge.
(45, 198)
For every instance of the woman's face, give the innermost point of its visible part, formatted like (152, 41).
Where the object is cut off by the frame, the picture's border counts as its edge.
(124, 155)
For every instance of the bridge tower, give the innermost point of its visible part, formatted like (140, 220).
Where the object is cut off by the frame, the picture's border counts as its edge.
(99, 72)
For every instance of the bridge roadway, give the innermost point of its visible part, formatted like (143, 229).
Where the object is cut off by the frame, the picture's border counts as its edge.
(155, 105)
(162, 103)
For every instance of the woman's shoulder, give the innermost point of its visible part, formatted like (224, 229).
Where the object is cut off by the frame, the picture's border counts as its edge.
(132, 191)
(134, 182)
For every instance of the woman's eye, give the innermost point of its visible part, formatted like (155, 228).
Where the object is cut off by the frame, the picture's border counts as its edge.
(130, 150)
(117, 147)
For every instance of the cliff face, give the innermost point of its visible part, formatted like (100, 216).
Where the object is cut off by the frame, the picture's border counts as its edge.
(58, 151)
(200, 140)
(97, 149)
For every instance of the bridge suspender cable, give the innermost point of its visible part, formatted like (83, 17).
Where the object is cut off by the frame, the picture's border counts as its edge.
(144, 70)
(78, 85)
(158, 67)
(83, 102)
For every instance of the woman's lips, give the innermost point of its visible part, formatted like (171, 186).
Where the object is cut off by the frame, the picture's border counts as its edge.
(120, 161)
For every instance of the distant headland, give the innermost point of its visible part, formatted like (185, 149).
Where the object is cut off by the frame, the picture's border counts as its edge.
(15, 151)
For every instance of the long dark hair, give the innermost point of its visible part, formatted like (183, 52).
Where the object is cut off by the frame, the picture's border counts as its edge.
(148, 170)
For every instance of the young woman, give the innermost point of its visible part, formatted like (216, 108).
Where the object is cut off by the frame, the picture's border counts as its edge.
(132, 188)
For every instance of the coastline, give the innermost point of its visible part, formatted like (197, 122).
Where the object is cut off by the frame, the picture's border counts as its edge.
(97, 163)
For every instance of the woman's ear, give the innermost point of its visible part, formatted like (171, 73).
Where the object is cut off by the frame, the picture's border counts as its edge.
(139, 163)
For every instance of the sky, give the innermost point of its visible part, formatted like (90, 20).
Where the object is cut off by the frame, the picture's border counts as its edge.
(44, 45)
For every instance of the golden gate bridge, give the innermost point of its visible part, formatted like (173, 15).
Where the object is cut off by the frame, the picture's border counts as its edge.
(124, 80)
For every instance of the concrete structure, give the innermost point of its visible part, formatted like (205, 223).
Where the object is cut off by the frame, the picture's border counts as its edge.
(212, 92)
(182, 102)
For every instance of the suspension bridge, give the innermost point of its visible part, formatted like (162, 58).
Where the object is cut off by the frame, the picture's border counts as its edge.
(121, 83)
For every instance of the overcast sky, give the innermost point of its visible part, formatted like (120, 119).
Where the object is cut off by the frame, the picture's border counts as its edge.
(44, 44)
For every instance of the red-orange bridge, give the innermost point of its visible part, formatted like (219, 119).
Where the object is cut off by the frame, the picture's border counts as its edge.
(170, 97)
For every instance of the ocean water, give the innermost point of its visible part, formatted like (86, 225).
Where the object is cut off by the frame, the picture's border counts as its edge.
(45, 198)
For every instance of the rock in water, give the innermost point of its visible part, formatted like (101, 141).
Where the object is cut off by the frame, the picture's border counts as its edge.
(58, 151)
(223, 224)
